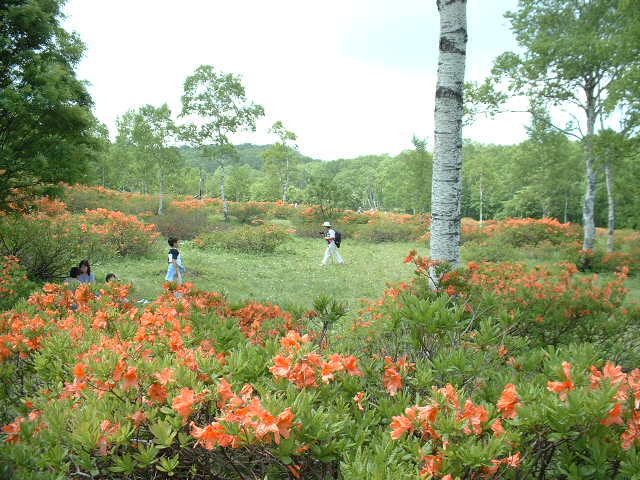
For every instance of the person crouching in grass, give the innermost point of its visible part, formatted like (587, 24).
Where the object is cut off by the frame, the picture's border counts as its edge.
(175, 269)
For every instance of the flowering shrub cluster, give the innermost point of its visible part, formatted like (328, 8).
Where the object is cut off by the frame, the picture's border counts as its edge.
(82, 197)
(14, 283)
(126, 234)
(503, 372)
(260, 239)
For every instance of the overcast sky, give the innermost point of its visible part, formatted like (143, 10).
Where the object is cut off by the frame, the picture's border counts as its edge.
(349, 77)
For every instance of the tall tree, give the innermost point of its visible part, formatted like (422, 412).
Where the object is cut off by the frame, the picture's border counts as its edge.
(449, 108)
(280, 158)
(47, 129)
(573, 54)
(151, 130)
(218, 105)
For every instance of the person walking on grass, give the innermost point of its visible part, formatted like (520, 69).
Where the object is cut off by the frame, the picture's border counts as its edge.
(332, 249)
(175, 269)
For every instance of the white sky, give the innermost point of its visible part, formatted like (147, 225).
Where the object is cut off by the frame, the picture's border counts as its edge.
(349, 77)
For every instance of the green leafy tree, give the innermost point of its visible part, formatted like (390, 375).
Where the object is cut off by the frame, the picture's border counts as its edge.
(574, 52)
(151, 130)
(281, 158)
(217, 104)
(47, 130)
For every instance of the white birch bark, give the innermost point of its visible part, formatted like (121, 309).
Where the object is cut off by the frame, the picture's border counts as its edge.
(160, 201)
(225, 207)
(611, 221)
(447, 165)
(588, 209)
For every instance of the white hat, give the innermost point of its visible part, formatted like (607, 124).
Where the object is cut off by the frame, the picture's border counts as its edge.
(326, 224)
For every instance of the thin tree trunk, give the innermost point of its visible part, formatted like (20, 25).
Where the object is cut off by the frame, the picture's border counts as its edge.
(160, 201)
(285, 192)
(588, 209)
(566, 205)
(447, 166)
(201, 186)
(481, 202)
(611, 220)
(225, 207)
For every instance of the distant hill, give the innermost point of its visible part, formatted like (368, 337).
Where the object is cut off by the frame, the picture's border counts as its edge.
(249, 153)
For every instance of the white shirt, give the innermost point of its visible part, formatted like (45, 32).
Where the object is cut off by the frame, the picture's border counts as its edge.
(330, 235)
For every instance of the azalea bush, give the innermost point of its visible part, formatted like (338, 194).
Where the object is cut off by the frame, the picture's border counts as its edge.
(48, 246)
(83, 197)
(182, 223)
(249, 212)
(260, 239)
(126, 234)
(14, 282)
(421, 383)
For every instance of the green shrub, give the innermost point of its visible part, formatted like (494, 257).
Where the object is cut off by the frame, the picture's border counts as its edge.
(261, 239)
(14, 283)
(183, 224)
(49, 246)
(249, 212)
(490, 250)
(384, 230)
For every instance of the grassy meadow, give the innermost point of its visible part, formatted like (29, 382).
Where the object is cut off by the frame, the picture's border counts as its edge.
(291, 276)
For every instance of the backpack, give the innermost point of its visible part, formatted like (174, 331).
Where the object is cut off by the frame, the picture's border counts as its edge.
(338, 238)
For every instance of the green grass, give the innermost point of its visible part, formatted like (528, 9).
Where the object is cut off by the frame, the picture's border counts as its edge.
(292, 276)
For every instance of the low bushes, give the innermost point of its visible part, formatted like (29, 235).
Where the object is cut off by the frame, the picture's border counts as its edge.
(261, 239)
(464, 382)
(386, 230)
(14, 283)
(126, 234)
(48, 246)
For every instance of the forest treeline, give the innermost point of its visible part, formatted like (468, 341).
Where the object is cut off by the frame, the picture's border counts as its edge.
(541, 177)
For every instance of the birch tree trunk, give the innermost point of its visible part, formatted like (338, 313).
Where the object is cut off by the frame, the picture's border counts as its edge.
(447, 165)
(160, 201)
(225, 207)
(285, 190)
(611, 221)
(481, 202)
(588, 209)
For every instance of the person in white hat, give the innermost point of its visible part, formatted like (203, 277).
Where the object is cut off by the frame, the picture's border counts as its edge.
(332, 249)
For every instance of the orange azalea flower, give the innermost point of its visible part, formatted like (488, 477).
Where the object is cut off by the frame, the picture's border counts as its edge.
(612, 372)
(13, 430)
(409, 258)
(183, 403)
(476, 414)
(502, 351)
(350, 364)
(400, 425)
(80, 371)
(130, 378)
(498, 429)
(450, 395)
(158, 393)
(358, 399)
(282, 366)
(100, 320)
(613, 417)
(509, 401)
(293, 340)
(392, 380)
(138, 418)
(432, 465)
(563, 387)
(211, 436)
(165, 376)
(632, 433)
